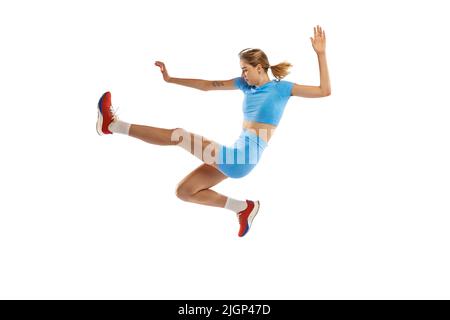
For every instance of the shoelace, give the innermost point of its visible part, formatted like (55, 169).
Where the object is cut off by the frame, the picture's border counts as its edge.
(115, 117)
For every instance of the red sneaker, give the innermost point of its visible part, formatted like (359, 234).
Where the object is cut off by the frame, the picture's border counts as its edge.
(246, 217)
(105, 114)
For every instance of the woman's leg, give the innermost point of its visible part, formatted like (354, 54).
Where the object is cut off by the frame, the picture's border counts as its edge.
(195, 186)
(199, 146)
(108, 123)
(152, 135)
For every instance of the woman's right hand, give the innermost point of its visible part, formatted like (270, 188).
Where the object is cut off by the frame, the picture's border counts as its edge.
(163, 70)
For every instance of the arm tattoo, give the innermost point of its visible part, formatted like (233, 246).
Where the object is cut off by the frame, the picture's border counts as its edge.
(217, 84)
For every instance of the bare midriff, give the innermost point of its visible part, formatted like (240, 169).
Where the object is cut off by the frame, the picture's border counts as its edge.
(263, 130)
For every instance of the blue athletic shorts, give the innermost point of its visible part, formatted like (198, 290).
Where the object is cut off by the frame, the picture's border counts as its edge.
(238, 160)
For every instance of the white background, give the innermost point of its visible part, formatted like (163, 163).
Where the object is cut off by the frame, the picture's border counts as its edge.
(356, 206)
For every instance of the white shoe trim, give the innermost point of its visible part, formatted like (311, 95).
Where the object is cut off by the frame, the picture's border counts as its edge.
(253, 214)
(99, 122)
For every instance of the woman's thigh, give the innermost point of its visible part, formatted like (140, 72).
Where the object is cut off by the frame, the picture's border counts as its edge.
(203, 148)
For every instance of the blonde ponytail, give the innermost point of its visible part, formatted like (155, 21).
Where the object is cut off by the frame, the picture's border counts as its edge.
(281, 70)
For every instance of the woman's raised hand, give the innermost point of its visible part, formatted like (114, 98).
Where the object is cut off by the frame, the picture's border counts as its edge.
(319, 40)
(163, 69)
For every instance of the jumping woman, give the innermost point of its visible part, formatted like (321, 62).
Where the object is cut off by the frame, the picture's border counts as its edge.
(264, 104)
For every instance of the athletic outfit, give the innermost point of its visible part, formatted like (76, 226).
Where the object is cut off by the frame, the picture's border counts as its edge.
(264, 104)
(261, 104)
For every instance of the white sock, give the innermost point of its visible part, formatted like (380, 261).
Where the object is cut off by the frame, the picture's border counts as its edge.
(235, 205)
(118, 126)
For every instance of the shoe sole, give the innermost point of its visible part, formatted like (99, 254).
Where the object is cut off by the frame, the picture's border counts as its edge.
(251, 217)
(253, 214)
(100, 117)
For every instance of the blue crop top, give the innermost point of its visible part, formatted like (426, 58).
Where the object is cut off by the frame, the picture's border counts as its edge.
(265, 103)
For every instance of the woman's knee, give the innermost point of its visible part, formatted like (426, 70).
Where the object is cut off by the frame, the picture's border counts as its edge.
(184, 192)
(180, 136)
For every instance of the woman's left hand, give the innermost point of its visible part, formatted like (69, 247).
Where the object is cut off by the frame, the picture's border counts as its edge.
(319, 40)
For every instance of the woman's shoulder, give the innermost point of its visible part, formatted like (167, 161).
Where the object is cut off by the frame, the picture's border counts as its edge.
(284, 87)
(241, 84)
(282, 81)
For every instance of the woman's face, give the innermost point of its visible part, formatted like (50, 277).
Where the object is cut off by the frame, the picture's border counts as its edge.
(249, 73)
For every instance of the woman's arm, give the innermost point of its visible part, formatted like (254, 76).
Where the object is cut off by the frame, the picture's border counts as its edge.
(205, 85)
(324, 77)
(319, 44)
(192, 83)
(324, 89)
